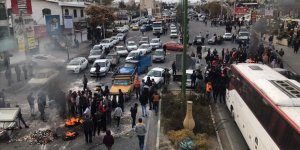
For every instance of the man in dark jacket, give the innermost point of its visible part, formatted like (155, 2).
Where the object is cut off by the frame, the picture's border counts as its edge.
(143, 100)
(21, 119)
(42, 104)
(8, 76)
(133, 111)
(121, 100)
(193, 80)
(108, 140)
(18, 72)
(85, 82)
(88, 127)
(97, 70)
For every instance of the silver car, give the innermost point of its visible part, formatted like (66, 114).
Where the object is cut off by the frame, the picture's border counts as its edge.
(96, 54)
(155, 43)
(159, 56)
(131, 46)
(104, 67)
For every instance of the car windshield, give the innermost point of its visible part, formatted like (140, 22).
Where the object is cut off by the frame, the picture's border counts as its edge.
(131, 44)
(105, 41)
(133, 54)
(74, 62)
(143, 47)
(119, 34)
(120, 48)
(144, 39)
(227, 34)
(154, 41)
(158, 53)
(244, 34)
(96, 48)
(96, 52)
(198, 37)
(121, 82)
(173, 32)
(101, 64)
(157, 24)
(41, 75)
(129, 65)
(154, 73)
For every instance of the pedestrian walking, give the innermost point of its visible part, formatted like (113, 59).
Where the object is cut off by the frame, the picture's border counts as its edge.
(137, 87)
(8, 76)
(97, 71)
(88, 127)
(143, 100)
(281, 52)
(124, 39)
(193, 80)
(42, 104)
(165, 50)
(133, 111)
(30, 100)
(21, 119)
(208, 90)
(85, 82)
(174, 68)
(156, 99)
(117, 114)
(18, 72)
(121, 99)
(108, 140)
(25, 71)
(96, 119)
(140, 130)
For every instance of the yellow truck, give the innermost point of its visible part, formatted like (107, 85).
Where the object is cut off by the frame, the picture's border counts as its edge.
(123, 82)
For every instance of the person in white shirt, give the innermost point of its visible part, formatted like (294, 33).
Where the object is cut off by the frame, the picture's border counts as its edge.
(118, 113)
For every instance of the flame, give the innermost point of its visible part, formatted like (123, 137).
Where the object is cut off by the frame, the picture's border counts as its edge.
(70, 134)
(73, 121)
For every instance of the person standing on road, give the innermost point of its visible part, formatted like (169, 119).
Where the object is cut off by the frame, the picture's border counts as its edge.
(137, 87)
(25, 71)
(117, 114)
(121, 99)
(281, 52)
(30, 100)
(18, 72)
(108, 140)
(174, 69)
(156, 99)
(8, 76)
(88, 127)
(193, 80)
(124, 39)
(143, 100)
(133, 111)
(97, 71)
(85, 82)
(140, 130)
(42, 104)
(208, 90)
(165, 50)
(21, 119)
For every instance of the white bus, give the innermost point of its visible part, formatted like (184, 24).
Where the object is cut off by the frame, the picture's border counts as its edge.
(265, 106)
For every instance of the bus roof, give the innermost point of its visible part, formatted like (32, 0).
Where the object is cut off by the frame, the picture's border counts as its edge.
(281, 92)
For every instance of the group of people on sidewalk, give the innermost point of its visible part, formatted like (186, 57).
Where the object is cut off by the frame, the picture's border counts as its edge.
(27, 70)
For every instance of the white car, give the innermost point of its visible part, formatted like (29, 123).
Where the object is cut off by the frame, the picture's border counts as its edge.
(155, 43)
(133, 55)
(122, 29)
(158, 55)
(76, 65)
(131, 45)
(157, 75)
(173, 28)
(45, 60)
(104, 67)
(173, 34)
(145, 48)
(121, 50)
(115, 40)
(107, 43)
(43, 77)
(96, 54)
(121, 36)
(227, 36)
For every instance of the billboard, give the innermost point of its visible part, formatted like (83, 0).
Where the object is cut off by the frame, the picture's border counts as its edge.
(53, 24)
(18, 6)
(241, 10)
(68, 22)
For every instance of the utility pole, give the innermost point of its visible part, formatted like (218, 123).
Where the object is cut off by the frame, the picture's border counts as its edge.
(185, 46)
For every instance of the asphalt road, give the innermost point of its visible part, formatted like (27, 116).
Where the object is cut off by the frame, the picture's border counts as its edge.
(74, 82)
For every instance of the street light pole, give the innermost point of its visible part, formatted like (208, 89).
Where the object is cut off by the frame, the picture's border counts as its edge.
(185, 46)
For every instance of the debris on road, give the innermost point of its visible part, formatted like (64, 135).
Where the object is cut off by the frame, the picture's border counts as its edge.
(37, 137)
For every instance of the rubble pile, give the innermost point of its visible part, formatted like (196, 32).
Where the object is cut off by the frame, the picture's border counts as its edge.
(38, 137)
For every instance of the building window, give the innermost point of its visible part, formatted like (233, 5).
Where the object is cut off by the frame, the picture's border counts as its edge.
(81, 13)
(46, 11)
(75, 13)
(3, 15)
(66, 11)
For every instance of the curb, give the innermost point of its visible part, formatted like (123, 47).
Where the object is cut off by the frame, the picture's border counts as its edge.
(217, 132)
(158, 125)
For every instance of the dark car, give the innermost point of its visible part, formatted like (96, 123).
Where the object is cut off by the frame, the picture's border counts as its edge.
(197, 40)
(146, 27)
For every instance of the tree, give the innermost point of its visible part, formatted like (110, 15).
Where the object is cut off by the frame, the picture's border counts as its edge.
(122, 5)
(99, 15)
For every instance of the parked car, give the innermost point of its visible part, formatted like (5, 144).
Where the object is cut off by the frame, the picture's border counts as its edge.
(145, 48)
(155, 43)
(144, 40)
(227, 36)
(159, 56)
(131, 46)
(197, 40)
(104, 67)
(43, 77)
(122, 29)
(121, 36)
(96, 54)
(107, 43)
(121, 50)
(133, 55)
(173, 34)
(44, 60)
(174, 46)
(157, 75)
(115, 40)
(113, 57)
(135, 27)
(146, 27)
(76, 65)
